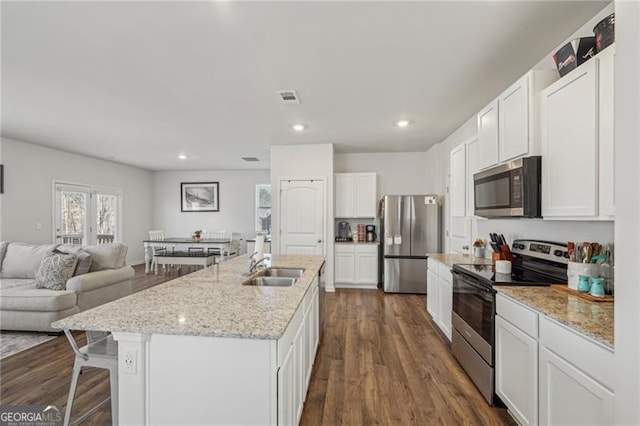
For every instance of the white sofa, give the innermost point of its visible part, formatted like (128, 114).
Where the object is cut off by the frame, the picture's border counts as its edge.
(25, 307)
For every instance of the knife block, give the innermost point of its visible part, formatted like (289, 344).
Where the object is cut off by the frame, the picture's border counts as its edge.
(496, 256)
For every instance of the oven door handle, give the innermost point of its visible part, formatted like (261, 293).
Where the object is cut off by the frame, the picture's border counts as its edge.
(471, 282)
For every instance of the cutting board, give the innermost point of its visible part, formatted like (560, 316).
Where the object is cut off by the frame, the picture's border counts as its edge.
(586, 296)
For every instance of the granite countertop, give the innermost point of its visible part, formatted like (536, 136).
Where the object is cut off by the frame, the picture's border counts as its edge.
(594, 319)
(450, 259)
(359, 242)
(209, 302)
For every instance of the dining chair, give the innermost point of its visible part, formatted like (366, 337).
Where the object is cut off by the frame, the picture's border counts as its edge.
(215, 235)
(234, 246)
(156, 235)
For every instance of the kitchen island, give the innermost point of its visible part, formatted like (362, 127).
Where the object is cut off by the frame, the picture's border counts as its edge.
(205, 349)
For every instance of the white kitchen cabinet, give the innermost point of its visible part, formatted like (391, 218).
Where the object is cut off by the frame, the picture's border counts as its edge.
(440, 295)
(488, 135)
(458, 187)
(547, 373)
(578, 143)
(459, 224)
(445, 301)
(432, 292)
(345, 269)
(516, 352)
(356, 265)
(355, 195)
(576, 377)
(472, 167)
(605, 133)
(519, 115)
(312, 334)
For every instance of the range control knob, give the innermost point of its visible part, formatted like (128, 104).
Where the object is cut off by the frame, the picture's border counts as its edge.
(557, 253)
(566, 254)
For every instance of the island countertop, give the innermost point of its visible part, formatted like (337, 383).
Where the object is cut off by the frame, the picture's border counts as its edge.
(209, 302)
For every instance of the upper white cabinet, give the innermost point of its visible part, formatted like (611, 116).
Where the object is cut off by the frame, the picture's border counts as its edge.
(355, 195)
(488, 135)
(507, 127)
(577, 143)
(605, 114)
(458, 189)
(460, 224)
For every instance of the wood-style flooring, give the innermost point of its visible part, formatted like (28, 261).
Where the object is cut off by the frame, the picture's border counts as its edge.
(381, 361)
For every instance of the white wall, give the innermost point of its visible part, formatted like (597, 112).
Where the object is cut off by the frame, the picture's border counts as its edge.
(627, 230)
(398, 172)
(305, 161)
(236, 200)
(28, 199)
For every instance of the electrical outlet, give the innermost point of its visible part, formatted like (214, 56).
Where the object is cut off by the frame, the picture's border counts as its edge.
(128, 364)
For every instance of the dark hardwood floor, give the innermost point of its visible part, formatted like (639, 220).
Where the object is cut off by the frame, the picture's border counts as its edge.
(381, 361)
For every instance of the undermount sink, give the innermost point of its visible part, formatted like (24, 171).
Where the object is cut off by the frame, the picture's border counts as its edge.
(281, 272)
(270, 281)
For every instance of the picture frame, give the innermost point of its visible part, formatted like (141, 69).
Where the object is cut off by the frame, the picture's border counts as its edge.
(199, 197)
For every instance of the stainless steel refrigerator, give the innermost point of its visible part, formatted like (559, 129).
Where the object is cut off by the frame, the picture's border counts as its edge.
(410, 228)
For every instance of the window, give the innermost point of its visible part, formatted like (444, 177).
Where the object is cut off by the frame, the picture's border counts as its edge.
(86, 215)
(263, 208)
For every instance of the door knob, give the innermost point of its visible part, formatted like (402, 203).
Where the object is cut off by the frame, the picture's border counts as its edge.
(465, 247)
(319, 241)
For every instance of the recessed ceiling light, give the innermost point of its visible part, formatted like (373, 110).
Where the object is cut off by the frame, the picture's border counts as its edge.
(402, 123)
(298, 127)
(182, 157)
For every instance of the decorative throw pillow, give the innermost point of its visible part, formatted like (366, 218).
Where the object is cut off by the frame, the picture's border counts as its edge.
(55, 269)
(84, 258)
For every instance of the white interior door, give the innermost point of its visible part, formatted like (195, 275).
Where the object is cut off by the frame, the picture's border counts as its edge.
(302, 217)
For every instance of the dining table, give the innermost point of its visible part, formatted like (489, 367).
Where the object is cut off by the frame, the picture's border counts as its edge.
(185, 243)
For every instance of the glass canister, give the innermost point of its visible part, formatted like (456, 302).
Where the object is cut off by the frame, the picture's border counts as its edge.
(607, 270)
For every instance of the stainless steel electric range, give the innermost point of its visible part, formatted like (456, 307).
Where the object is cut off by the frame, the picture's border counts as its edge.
(535, 263)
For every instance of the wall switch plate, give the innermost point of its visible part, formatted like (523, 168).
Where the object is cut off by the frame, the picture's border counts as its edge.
(129, 363)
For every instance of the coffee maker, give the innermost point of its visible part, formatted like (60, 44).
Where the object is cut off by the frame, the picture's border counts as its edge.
(371, 233)
(344, 231)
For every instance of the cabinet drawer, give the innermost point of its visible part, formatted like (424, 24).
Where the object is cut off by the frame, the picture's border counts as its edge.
(520, 316)
(433, 265)
(445, 272)
(345, 248)
(588, 356)
(367, 248)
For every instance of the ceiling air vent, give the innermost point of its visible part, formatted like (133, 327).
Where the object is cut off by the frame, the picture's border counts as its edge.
(289, 97)
(249, 159)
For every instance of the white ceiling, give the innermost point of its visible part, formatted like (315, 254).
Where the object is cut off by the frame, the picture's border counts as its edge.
(140, 82)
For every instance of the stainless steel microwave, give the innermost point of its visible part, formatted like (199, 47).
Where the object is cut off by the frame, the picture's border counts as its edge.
(509, 190)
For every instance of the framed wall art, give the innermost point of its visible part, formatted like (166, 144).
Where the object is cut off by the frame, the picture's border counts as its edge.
(199, 197)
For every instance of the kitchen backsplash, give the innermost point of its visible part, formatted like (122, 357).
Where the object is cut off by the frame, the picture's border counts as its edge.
(537, 229)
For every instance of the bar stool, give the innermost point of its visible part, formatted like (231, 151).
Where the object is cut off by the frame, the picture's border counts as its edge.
(101, 352)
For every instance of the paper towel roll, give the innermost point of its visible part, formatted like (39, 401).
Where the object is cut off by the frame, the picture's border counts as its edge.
(259, 248)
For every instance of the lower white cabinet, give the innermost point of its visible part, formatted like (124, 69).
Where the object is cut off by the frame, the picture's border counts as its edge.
(440, 295)
(547, 373)
(356, 265)
(517, 371)
(299, 344)
(576, 378)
